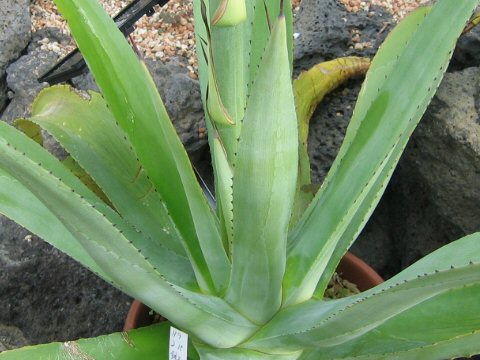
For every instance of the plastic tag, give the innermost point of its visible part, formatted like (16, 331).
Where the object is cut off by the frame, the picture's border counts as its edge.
(177, 345)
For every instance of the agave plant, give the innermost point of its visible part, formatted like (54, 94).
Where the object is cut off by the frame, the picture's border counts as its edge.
(244, 280)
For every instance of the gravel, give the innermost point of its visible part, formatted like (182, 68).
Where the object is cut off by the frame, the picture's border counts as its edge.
(398, 8)
(169, 32)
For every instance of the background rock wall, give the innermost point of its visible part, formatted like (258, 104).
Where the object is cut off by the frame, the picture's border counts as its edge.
(14, 37)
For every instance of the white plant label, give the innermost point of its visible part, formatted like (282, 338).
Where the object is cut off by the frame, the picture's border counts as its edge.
(177, 348)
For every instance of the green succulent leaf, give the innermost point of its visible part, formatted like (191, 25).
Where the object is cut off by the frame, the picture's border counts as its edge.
(145, 343)
(110, 242)
(224, 63)
(222, 46)
(78, 209)
(224, 186)
(431, 302)
(263, 14)
(136, 105)
(388, 109)
(222, 55)
(37, 218)
(462, 253)
(87, 130)
(208, 353)
(264, 185)
(464, 346)
(228, 59)
(383, 63)
(34, 132)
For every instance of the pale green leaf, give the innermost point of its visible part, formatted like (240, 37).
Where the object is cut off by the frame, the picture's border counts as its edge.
(389, 111)
(257, 33)
(145, 343)
(224, 185)
(235, 53)
(208, 353)
(110, 243)
(87, 130)
(382, 64)
(434, 308)
(445, 326)
(134, 101)
(80, 211)
(439, 294)
(226, 61)
(20, 205)
(461, 346)
(264, 180)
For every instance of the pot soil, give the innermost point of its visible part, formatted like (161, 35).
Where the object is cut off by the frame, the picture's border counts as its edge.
(351, 268)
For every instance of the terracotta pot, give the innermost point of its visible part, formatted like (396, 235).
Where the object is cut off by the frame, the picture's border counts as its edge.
(138, 316)
(351, 268)
(358, 272)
